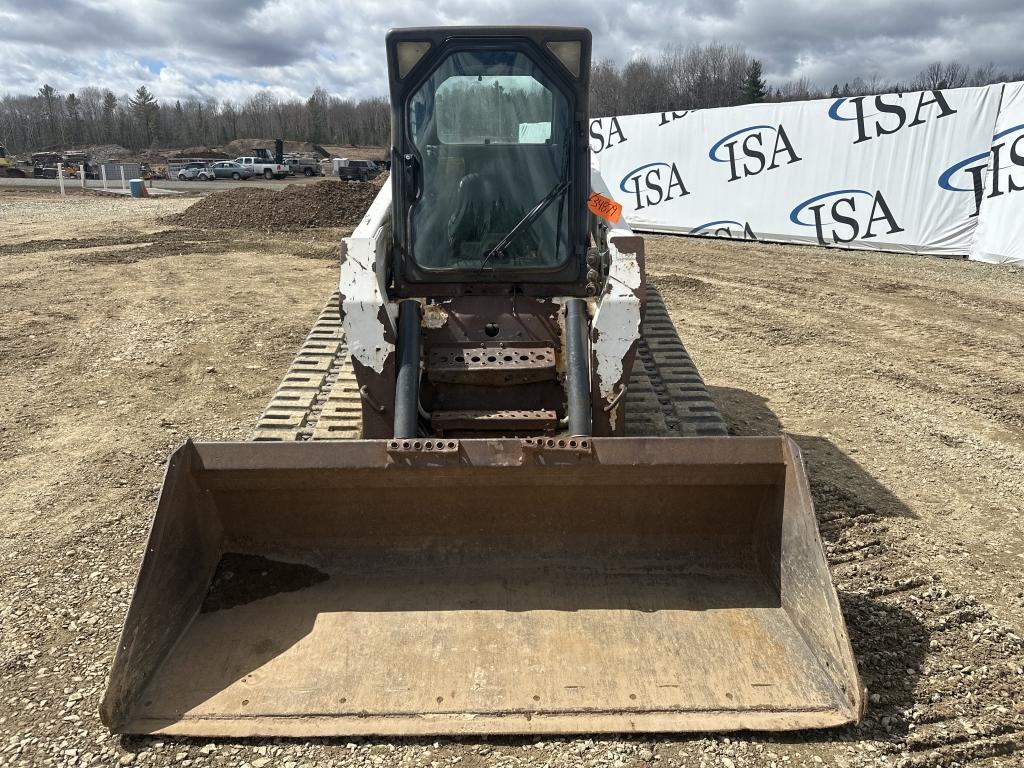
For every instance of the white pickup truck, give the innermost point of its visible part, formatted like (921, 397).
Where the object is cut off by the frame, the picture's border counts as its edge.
(260, 167)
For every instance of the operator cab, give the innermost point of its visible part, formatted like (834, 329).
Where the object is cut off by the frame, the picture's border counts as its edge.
(490, 158)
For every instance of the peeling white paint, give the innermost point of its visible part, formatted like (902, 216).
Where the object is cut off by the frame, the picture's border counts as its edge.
(616, 325)
(362, 287)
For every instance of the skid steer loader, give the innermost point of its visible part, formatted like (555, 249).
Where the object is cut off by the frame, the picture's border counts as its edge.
(8, 170)
(466, 533)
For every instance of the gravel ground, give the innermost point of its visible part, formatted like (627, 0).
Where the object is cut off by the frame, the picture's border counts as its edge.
(899, 376)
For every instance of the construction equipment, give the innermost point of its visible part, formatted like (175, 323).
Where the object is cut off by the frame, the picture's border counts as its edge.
(477, 539)
(45, 165)
(265, 155)
(7, 167)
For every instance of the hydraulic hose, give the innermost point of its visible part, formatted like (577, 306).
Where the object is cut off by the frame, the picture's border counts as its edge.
(407, 383)
(577, 368)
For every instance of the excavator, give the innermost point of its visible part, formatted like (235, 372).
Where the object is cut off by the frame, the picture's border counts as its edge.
(492, 495)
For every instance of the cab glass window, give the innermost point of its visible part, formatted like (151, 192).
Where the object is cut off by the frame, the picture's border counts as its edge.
(491, 136)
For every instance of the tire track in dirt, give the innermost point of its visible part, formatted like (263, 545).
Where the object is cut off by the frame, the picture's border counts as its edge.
(946, 673)
(945, 666)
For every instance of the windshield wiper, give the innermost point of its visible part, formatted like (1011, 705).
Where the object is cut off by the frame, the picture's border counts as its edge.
(524, 223)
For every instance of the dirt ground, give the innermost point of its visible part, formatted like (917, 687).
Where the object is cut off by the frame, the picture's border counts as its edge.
(901, 377)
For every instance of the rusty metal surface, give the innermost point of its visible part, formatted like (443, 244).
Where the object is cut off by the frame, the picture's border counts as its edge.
(491, 364)
(665, 394)
(668, 584)
(519, 320)
(579, 445)
(474, 359)
(494, 421)
(412, 446)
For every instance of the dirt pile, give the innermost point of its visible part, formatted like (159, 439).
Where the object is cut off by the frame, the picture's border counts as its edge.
(199, 151)
(100, 153)
(240, 147)
(308, 206)
(355, 153)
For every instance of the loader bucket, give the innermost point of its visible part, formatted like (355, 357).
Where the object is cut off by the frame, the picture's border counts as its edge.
(482, 587)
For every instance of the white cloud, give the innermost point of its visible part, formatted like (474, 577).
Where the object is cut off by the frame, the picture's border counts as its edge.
(235, 48)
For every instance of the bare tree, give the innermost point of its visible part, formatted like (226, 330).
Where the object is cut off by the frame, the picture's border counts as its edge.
(605, 89)
(938, 76)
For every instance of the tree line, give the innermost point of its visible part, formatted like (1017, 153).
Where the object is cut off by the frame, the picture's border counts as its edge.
(466, 112)
(718, 75)
(679, 78)
(48, 119)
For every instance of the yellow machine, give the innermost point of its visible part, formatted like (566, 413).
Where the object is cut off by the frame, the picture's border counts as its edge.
(7, 167)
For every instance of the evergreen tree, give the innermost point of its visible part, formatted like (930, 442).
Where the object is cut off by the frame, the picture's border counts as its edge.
(316, 109)
(109, 116)
(181, 132)
(753, 84)
(145, 110)
(74, 114)
(50, 100)
(835, 91)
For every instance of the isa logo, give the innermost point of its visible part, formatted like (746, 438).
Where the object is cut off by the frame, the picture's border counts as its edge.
(605, 132)
(729, 228)
(671, 117)
(752, 150)
(845, 215)
(878, 116)
(1007, 176)
(653, 184)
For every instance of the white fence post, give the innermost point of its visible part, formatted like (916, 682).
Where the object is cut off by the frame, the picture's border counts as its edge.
(81, 174)
(60, 177)
(123, 184)
(103, 173)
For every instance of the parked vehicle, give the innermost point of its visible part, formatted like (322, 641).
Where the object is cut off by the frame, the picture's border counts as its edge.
(229, 169)
(303, 166)
(261, 167)
(192, 171)
(357, 170)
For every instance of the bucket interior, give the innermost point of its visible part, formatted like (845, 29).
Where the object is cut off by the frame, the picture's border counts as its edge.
(478, 598)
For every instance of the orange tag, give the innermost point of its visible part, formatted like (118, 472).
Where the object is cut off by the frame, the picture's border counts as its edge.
(604, 207)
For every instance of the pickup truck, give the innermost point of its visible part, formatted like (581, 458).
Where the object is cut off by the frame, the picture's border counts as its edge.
(260, 167)
(357, 170)
(303, 166)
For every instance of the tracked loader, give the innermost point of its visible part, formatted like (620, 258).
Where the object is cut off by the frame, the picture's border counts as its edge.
(8, 170)
(492, 494)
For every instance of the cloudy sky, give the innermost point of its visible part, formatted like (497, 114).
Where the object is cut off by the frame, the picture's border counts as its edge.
(233, 48)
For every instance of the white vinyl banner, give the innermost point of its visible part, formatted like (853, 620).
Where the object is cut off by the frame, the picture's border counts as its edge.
(882, 172)
(1000, 235)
